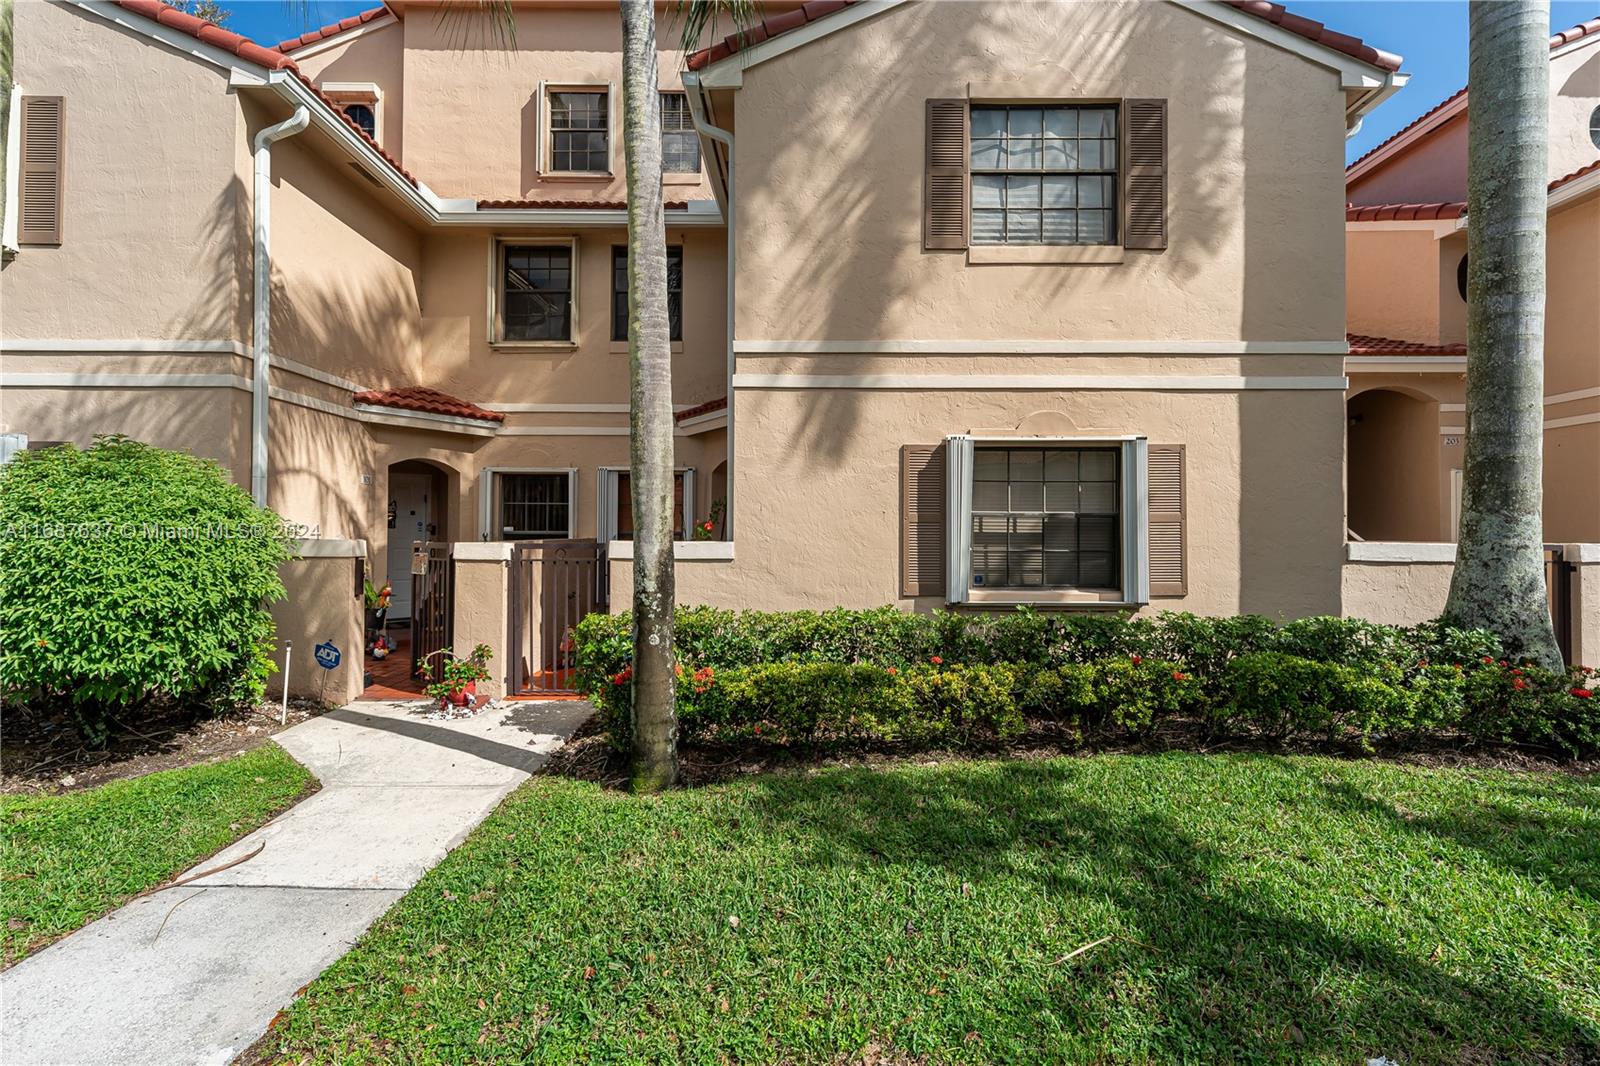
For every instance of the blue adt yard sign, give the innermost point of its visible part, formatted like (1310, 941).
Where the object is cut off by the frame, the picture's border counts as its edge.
(328, 655)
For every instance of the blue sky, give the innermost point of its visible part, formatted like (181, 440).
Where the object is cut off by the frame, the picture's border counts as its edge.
(1430, 34)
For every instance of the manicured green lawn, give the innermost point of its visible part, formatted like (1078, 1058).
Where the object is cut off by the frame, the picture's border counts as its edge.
(65, 860)
(1262, 909)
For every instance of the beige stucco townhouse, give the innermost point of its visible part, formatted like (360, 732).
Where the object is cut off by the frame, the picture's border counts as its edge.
(973, 304)
(1406, 248)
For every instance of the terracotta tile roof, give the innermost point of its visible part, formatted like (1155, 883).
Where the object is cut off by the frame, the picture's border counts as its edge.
(348, 121)
(1427, 212)
(1403, 212)
(1364, 344)
(1316, 32)
(332, 29)
(210, 33)
(426, 401)
(1581, 172)
(1273, 13)
(719, 404)
(1567, 36)
(576, 205)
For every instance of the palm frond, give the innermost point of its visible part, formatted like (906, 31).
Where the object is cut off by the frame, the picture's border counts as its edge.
(700, 22)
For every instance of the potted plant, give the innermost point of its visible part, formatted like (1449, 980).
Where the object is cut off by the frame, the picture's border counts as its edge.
(457, 683)
(377, 603)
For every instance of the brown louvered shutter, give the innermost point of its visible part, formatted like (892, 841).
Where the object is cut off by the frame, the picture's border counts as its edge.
(922, 520)
(944, 185)
(1169, 572)
(44, 120)
(1144, 180)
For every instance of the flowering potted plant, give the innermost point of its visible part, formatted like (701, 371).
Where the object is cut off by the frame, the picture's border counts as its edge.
(706, 529)
(457, 684)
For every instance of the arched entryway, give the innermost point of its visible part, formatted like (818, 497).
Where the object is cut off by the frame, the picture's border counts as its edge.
(1394, 482)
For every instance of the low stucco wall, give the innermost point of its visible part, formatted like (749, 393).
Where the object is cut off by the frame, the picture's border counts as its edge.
(1403, 584)
(704, 572)
(481, 606)
(322, 606)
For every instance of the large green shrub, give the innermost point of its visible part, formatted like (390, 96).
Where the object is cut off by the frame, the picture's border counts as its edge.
(130, 575)
(951, 678)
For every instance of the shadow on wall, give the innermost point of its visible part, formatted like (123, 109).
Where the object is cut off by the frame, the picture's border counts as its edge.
(1394, 466)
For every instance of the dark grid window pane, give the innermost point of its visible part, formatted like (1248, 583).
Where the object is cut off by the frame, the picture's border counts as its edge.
(1044, 175)
(363, 115)
(536, 293)
(680, 145)
(619, 292)
(579, 140)
(1045, 518)
(534, 505)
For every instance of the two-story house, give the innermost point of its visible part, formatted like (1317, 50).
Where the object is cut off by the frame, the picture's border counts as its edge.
(1406, 251)
(973, 303)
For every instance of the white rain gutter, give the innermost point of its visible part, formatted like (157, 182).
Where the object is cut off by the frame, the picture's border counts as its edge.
(260, 341)
(697, 114)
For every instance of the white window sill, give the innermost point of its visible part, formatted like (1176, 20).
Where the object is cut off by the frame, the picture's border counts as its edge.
(578, 175)
(682, 550)
(987, 597)
(983, 254)
(1377, 551)
(680, 179)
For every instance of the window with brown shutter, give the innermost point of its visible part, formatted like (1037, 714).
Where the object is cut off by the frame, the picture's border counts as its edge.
(44, 121)
(1166, 488)
(922, 520)
(1144, 125)
(944, 187)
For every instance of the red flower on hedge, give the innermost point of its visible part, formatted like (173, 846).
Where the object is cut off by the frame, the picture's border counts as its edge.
(1516, 673)
(1582, 693)
(892, 670)
(1179, 675)
(936, 660)
(1424, 662)
(1520, 684)
(1137, 659)
(1488, 658)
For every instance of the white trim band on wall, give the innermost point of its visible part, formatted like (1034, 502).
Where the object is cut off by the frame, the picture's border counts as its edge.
(124, 347)
(1044, 382)
(29, 380)
(1032, 347)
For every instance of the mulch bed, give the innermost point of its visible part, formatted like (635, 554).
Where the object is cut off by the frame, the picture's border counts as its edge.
(43, 752)
(587, 756)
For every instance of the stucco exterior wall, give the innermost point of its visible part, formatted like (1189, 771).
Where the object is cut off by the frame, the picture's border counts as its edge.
(376, 57)
(1393, 283)
(1574, 94)
(1399, 594)
(322, 605)
(151, 201)
(472, 114)
(1431, 171)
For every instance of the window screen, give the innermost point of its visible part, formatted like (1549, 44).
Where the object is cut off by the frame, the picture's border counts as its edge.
(619, 291)
(579, 132)
(536, 293)
(1046, 518)
(1044, 175)
(680, 145)
(535, 505)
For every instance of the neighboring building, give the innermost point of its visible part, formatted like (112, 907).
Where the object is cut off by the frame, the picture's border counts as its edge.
(1030, 302)
(1406, 249)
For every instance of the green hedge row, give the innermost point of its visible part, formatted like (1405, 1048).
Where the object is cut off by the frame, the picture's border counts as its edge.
(848, 677)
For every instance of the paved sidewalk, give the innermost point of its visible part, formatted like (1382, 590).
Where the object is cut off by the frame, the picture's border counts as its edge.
(194, 974)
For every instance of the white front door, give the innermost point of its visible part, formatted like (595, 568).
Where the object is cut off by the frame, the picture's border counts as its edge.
(408, 522)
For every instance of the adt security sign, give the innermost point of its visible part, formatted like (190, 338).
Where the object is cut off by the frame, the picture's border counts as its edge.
(328, 655)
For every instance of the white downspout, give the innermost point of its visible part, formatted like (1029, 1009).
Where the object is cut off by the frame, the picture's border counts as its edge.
(260, 342)
(697, 114)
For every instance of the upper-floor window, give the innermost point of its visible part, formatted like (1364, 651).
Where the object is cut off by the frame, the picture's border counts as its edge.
(680, 145)
(580, 132)
(1594, 126)
(364, 116)
(534, 297)
(619, 291)
(1044, 175)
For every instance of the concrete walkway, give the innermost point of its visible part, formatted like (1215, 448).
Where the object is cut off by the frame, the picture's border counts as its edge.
(194, 974)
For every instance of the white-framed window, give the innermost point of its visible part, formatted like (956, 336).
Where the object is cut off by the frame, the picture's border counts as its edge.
(619, 292)
(362, 103)
(1044, 173)
(614, 503)
(529, 503)
(1047, 520)
(535, 292)
(579, 130)
(680, 144)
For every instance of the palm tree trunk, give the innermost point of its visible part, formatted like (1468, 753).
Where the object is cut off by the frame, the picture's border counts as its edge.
(1499, 581)
(655, 726)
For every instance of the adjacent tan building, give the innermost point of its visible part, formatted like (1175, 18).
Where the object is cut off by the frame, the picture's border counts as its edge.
(1406, 251)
